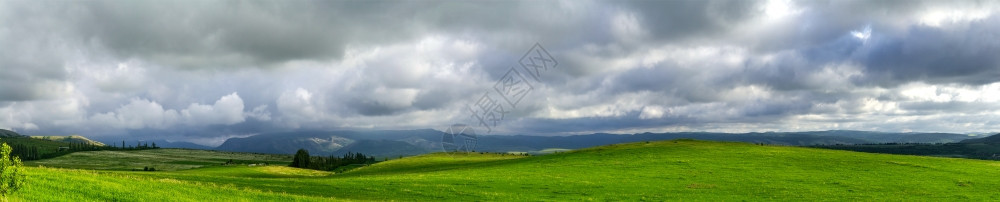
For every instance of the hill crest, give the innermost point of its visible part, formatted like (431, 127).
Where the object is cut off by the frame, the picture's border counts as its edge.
(9, 133)
(69, 139)
(988, 139)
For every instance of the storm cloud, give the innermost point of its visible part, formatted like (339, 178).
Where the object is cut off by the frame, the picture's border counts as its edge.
(201, 71)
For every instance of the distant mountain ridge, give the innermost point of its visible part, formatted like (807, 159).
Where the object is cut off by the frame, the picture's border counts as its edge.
(390, 143)
(331, 142)
(992, 139)
(393, 143)
(70, 139)
(976, 148)
(8, 133)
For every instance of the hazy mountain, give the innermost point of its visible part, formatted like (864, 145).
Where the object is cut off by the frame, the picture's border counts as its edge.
(7, 133)
(317, 142)
(329, 142)
(132, 141)
(977, 148)
(383, 148)
(409, 142)
(992, 139)
(184, 145)
(883, 137)
(535, 143)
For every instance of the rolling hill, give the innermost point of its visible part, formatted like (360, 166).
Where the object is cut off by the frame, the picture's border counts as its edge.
(69, 139)
(7, 133)
(658, 170)
(987, 148)
(992, 139)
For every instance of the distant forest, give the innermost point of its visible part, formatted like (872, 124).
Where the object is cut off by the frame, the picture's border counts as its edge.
(31, 150)
(302, 159)
(985, 151)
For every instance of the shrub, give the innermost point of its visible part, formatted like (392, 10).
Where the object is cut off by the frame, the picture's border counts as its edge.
(11, 171)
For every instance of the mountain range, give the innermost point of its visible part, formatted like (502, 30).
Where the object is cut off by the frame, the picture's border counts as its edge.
(7, 133)
(390, 143)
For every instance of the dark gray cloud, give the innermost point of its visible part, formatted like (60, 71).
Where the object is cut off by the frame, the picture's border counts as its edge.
(688, 18)
(208, 70)
(962, 53)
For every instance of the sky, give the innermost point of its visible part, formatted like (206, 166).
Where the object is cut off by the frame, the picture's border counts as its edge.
(204, 71)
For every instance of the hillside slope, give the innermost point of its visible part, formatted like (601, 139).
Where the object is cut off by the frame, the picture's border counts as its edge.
(8, 133)
(70, 139)
(992, 139)
(663, 170)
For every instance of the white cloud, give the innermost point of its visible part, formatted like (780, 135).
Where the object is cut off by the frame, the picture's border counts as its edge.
(143, 113)
(15, 120)
(937, 17)
(137, 114)
(227, 110)
(260, 113)
(863, 34)
(297, 107)
(652, 112)
(779, 9)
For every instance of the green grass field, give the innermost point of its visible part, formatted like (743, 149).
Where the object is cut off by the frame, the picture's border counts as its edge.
(161, 159)
(664, 170)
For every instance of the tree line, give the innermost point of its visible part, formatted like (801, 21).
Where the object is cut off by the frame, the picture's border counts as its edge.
(138, 146)
(25, 153)
(302, 159)
(32, 152)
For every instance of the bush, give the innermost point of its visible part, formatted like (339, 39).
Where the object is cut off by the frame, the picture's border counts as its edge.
(11, 171)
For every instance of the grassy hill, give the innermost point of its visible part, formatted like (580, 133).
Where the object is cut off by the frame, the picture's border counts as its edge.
(45, 146)
(7, 133)
(663, 170)
(70, 139)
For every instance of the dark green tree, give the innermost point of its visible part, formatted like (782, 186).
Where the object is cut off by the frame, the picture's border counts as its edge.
(301, 159)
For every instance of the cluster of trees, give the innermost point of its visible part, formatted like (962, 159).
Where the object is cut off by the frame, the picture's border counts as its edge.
(138, 146)
(302, 159)
(73, 146)
(147, 168)
(25, 152)
(32, 152)
(11, 171)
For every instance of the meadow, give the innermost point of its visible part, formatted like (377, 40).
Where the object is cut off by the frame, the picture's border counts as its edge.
(661, 170)
(161, 159)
